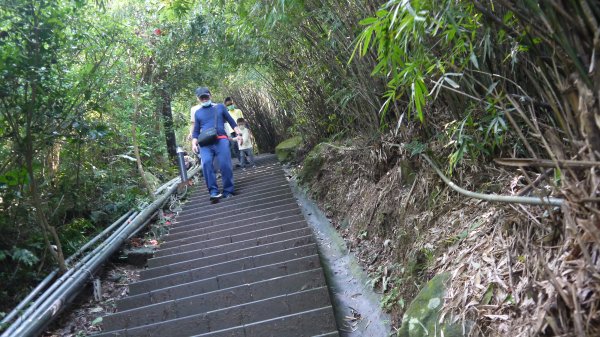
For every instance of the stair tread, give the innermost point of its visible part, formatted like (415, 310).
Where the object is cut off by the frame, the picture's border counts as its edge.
(309, 323)
(201, 273)
(245, 266)
(258, 247)
(220, 282)
(244, 229)
(238, 315)
(212, 300)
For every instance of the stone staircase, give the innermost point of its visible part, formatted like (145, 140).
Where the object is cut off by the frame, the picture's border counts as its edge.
(245, 266)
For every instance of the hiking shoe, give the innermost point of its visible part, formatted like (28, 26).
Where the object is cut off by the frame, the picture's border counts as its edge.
(227, 196)
(215, 196)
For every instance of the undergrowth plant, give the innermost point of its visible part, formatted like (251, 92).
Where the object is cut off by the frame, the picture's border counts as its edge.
(519, 80)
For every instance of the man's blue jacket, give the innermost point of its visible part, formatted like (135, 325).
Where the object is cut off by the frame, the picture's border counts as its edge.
(204, 118)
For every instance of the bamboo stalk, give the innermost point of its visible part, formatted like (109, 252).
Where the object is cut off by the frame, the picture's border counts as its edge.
(517, 162)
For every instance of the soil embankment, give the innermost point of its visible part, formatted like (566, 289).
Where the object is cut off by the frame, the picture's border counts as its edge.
(405, 226)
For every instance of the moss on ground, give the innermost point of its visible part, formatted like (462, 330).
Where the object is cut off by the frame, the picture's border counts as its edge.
(422, 316)
(286, 150)
(312, 165)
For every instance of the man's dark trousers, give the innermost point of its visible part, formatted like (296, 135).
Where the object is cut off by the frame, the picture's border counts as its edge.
(220, 150)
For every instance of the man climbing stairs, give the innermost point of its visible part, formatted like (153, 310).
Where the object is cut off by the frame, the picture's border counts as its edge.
(246, 266)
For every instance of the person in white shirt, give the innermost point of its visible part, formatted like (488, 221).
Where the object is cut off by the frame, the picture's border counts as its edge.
(245, 145)
(235, 113)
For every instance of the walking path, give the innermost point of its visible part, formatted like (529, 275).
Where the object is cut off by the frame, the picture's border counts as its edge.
(245, 266)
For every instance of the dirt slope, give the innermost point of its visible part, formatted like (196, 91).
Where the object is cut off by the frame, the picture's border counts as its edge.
(406, 226)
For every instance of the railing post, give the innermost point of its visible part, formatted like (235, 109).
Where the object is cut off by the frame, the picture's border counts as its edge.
(182, 168)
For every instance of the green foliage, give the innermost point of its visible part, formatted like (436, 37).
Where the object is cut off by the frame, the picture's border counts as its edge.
(18, 255)
(14, 177)
(22, 255)
(299, 52)
(433, 50)
(422, 259)
(467, 65)
(76, 234)
(175, 9)
(415, 147)
(65, 113)
(398, 32)
(392, 299)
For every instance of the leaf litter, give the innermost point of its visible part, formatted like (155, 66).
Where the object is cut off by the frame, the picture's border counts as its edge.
(515, 270)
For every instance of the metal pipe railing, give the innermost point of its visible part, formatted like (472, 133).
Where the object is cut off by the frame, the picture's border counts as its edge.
(541, 201)
(181, 162)
(64, 290)
(8, 318)
(61, 280)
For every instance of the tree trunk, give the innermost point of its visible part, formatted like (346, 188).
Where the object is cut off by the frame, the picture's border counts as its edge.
(28, 149)
(136, 151)
(39, 212)
(167, 114)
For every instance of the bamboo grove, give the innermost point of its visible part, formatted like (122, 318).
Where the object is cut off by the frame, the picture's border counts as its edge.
(96, 94)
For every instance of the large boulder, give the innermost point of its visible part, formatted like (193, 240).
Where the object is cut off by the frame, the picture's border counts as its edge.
(422, 316)
(286, 150)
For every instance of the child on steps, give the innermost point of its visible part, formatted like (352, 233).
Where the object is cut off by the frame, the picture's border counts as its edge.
(245, 145)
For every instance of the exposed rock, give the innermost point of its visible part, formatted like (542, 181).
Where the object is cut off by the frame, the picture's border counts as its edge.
(422, 316)
(286, 150)
(139, 255)
(312, 164)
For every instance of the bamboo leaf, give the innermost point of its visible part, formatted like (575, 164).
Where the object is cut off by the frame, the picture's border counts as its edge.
(368, 34)
(367, 21)
(451, 82)
(473, 59)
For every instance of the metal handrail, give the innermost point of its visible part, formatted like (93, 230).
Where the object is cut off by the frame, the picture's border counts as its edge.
(542, 201)
(8, 318)
(62, 292)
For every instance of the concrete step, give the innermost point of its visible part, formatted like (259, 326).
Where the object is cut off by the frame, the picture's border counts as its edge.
(254, 193)
(244, 266)
(214, 300)
(233, 220)
(309, 323)
(240, 201)
(236, 316)
(202, 216)
(239, 227)
(240, 207)
(241, 241)
(263, 245)
(217, 226)
(225, 242)
(251, 262)
(247, 180)
(200, 194)
(220, 282)
(231, 232)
